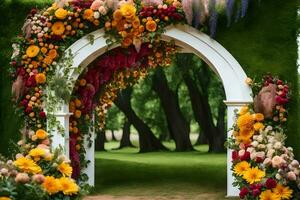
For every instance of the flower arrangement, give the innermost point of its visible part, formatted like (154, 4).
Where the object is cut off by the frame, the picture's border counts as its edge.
(263, 167)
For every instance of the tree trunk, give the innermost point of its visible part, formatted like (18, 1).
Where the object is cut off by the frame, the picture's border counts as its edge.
(148, 141)
(100, 141)
(178, 126)
(201, 138)
(125, 140)
(200, 105)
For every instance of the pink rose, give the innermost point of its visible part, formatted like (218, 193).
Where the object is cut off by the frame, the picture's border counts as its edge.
(22, 178)
(277, 161)
(96, 5)
(291, 176)
(267, 162)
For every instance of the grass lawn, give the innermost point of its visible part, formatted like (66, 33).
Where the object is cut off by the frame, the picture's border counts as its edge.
(169, 175)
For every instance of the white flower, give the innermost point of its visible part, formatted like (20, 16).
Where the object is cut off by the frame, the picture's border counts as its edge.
(277, 145)
(260, 138)
(295, 163)
(270, 153)
(103, 10)
(254, 143)
(267, 162)
(261, 146)
(96, 15)
(269, 146)
(278, 176)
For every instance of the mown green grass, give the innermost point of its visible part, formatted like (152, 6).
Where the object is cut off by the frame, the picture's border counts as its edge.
(126, 172)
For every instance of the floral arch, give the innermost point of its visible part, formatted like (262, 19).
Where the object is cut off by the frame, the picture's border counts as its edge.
(60, 42)
(238, 93)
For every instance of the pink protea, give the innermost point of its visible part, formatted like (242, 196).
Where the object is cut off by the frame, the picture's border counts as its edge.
(152, 2)
(187, 6)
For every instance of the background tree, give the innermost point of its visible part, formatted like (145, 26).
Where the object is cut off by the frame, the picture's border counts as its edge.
(147, 140)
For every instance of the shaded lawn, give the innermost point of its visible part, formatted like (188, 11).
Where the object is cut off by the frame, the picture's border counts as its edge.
(126, 172)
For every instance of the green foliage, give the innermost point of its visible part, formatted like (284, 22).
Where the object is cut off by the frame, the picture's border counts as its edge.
(265, 41)
(114, 119)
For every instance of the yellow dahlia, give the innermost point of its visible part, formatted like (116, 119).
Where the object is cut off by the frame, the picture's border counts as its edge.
(68, 186)
(283, 192)
(258, 126)
(244, 110)
(58, 28)
(241, 167)
(268, 195)
(245, 121)
(37, 153)
(41, 134)
(253, 175)
(61, 13)
(51, 185)
(128, 10)
(244, 136)
(88, 14)
(117, 15)
(259, 117)
(27, 165)
(65, 169)
(32, 51)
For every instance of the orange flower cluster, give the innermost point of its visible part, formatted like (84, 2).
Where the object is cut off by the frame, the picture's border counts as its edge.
(74, 107)
(128, 25)
(162, 54)
(120, 80)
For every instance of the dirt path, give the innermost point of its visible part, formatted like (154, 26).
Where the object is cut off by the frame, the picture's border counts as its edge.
(208, 196)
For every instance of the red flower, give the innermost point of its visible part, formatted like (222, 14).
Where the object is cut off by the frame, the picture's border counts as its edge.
(42, 115)
(28, 109)
(30, 82)
(246, 156)
(270, 183)
(235, 155)
(255, 192)
(243, 193)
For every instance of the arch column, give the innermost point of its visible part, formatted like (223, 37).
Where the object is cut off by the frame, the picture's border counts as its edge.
(60, 138)
(232, 106)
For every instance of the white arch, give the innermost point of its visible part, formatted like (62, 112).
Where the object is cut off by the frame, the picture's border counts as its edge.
(231, 74)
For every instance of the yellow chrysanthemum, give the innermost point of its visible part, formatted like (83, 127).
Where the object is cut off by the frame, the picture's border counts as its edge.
(40, 78)
(37, 153)
(41, 134)
(268, 195)
(253, 175)
(65, 169)
(258, 126)
(283, 192)
(68, 186)
(51, 185)
(128, 10)
(5, 198)
(61, 13)
(241, 168)
(259, 117)
(32, 51)
(245, 121)
(27, 165)
(58, 28)
(244, 136)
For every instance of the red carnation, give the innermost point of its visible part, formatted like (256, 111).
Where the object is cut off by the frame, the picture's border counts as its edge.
(255, 192)
(246, 156)
(243, 193)
(270, 183)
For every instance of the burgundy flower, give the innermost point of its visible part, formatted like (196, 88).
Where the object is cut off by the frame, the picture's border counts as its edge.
(30, 82)
(270, 183)
(243, 193)
(246, 156)
(42, 115)
(235, 155)
(281, 100)
(28, 109)
(255, 192)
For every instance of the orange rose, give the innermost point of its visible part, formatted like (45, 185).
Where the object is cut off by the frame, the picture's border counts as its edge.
(82, 82)
(136, 23)
(77, 114)
(32, 51)
(58, 28)
(48, 60)
(40, 78)
(128, 10)
(77, 103)
(52, 53)
(117, 15)
(88, 14)
(41, 134)
(151, 25)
